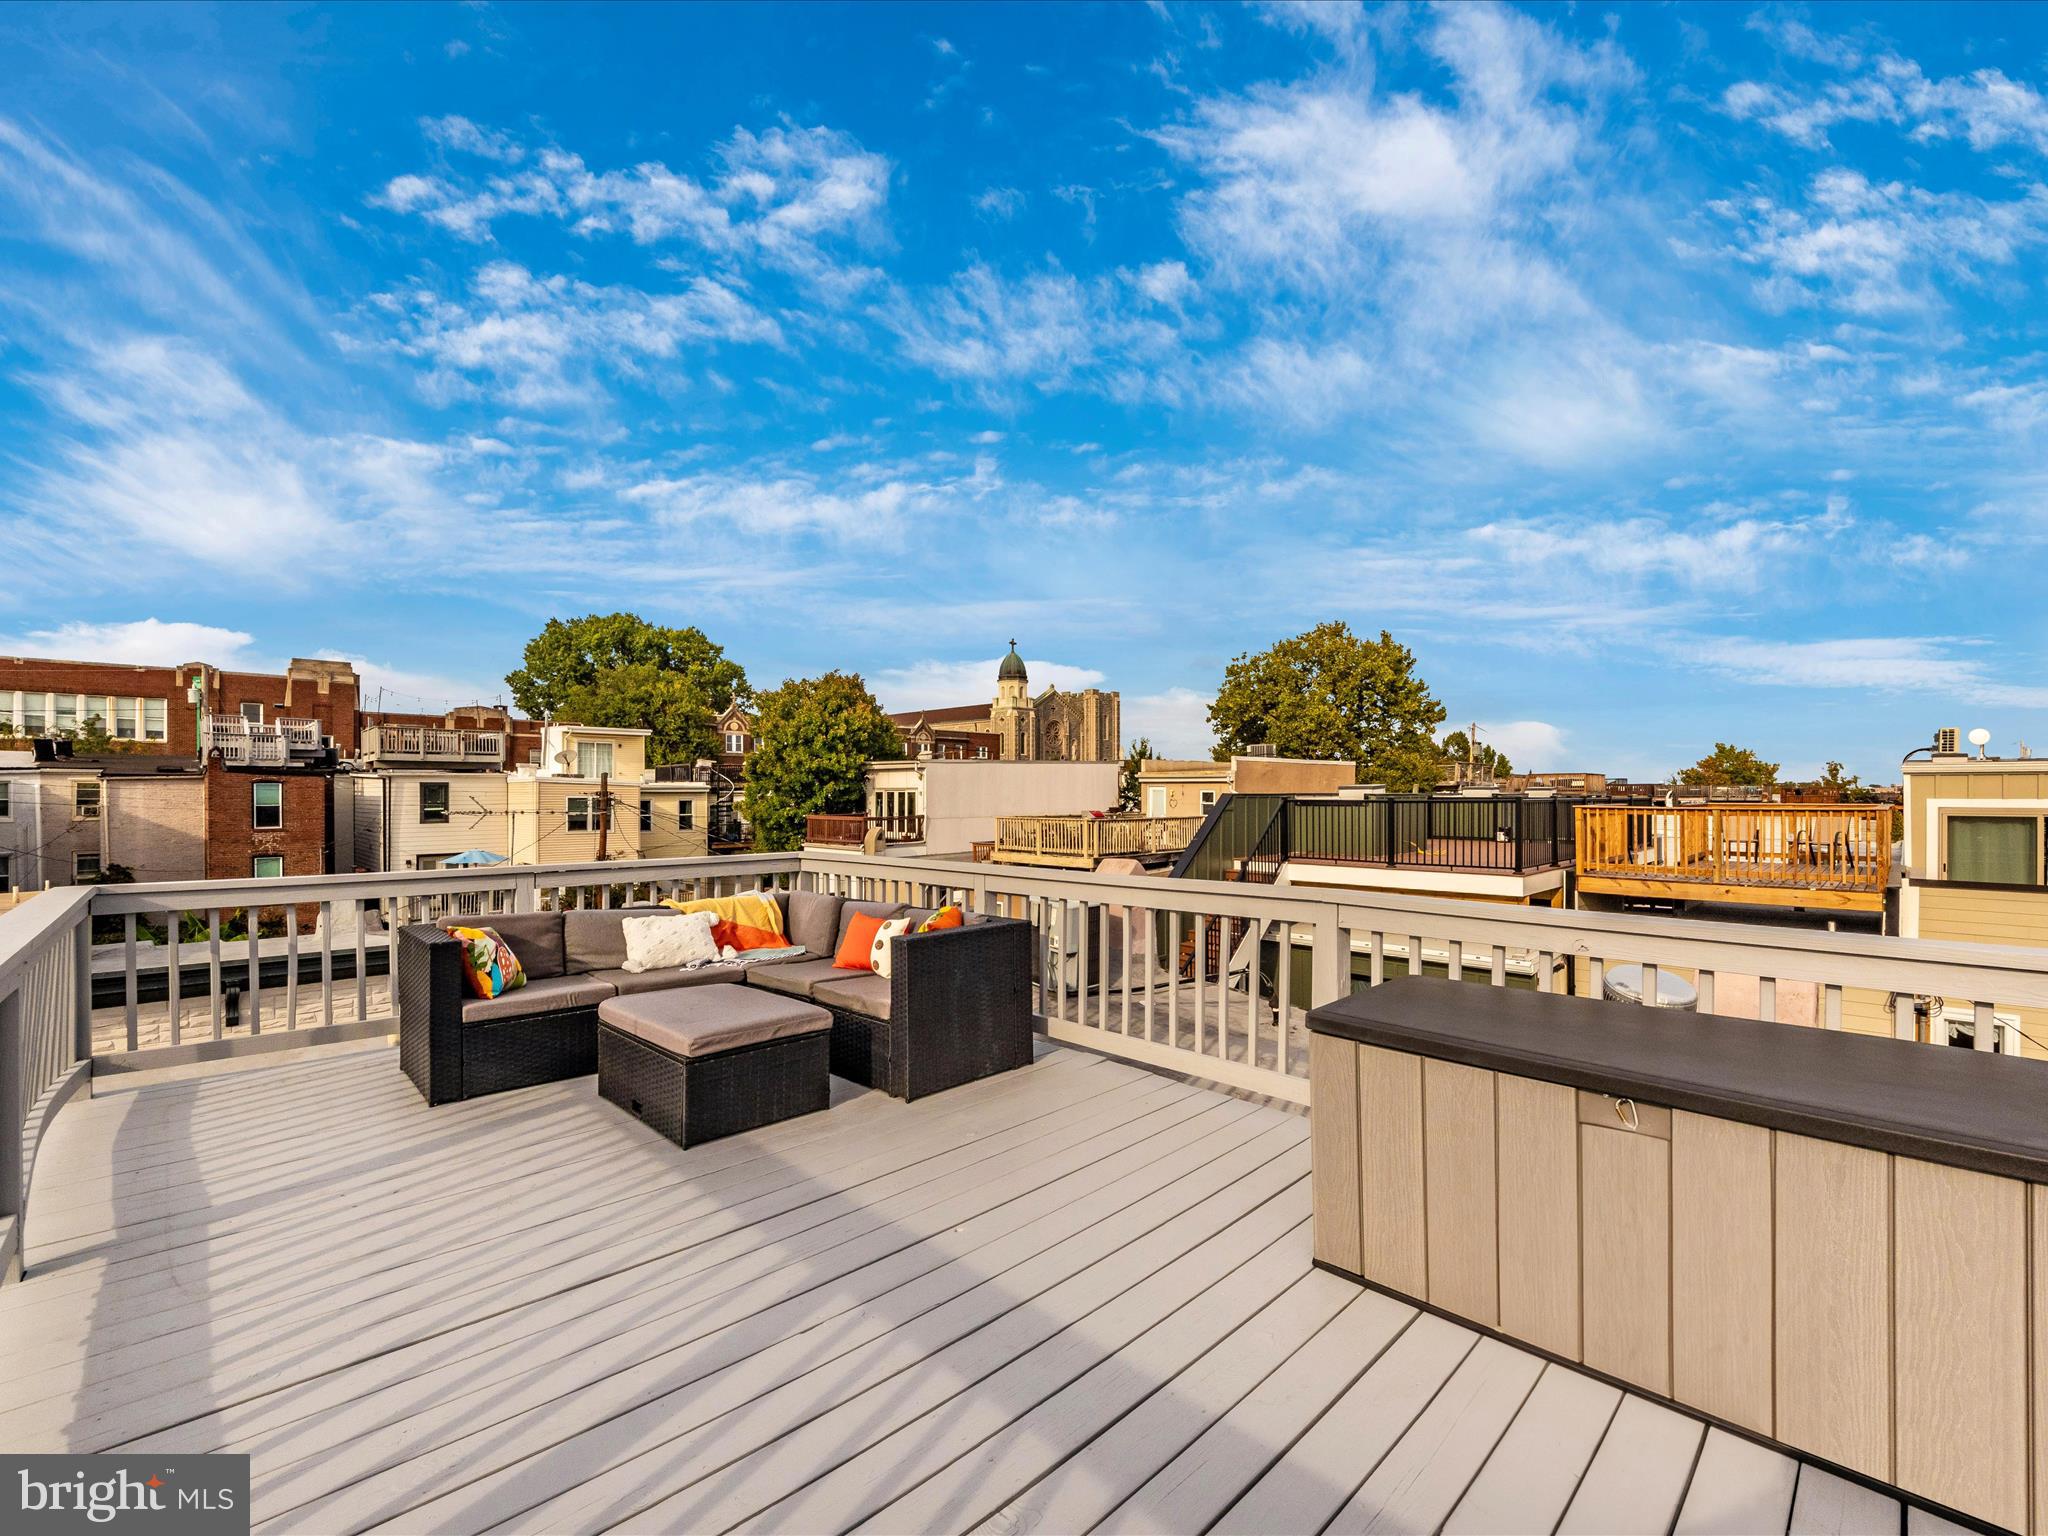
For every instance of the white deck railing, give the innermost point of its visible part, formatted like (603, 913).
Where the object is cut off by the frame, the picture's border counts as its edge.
(1209, 978)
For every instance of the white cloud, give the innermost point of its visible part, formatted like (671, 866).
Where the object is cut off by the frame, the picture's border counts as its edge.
(151, 642)
(1874, 247)
(870, 503)
(780, 196)
(1175, 721)
(1956, 669)
(403, 689)
(465, 137)
(935, 684)
(537, 342)
(1533, 746)
(1001, 202)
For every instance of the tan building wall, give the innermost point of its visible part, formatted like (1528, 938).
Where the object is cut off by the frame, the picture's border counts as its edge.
(538, 817)
(156, 826)
(665, 837)
(1176, 786)
(1932, 785)
(379, 826)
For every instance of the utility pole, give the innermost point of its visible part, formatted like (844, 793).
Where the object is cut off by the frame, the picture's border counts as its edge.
(604, 813)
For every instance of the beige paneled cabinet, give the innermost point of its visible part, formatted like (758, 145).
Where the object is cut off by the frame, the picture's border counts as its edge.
(1875, 1310)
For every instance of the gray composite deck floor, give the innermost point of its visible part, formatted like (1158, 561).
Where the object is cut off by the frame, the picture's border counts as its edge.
(1076, 1297)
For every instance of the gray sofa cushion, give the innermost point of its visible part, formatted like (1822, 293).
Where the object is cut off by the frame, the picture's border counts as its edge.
(699, 1023)
(544, 996)
(595, 941)
(796, 977)
(535, 939)
(812, 919)
(863, 992)
(630, 982)
(852, 909)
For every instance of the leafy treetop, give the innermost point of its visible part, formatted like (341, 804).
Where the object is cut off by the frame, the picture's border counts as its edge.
(1329, 694)
(1729, 764)
(1489, 760)
(813, 740)
(1127, 788)
(617, 669)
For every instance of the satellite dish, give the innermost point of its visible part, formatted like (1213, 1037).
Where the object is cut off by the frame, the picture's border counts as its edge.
(1980, 737)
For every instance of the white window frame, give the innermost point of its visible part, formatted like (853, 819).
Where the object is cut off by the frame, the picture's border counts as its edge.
(58, 711)
(588, 751)
(1156, 796)
(82, 791)
(35, 714)
(156, 719)
(127, 721)
(1208, 800)
(587, 814)
(257, 807)
(447, 802)
(6, 799)
(247, 706)
(736, 743)
(256, 866)
(78, 871)
(686, 816)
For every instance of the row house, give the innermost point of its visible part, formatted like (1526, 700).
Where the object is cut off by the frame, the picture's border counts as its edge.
(586, 788)
(76, 820)
(164, 710)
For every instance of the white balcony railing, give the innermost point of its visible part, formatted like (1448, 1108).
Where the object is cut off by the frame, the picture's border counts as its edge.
(1207, 977)
(244, 744)
(433, 744)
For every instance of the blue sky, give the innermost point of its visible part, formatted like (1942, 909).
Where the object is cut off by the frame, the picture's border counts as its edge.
(1660, 374)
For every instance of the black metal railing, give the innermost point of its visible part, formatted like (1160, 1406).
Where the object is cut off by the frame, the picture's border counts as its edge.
(1251, 835)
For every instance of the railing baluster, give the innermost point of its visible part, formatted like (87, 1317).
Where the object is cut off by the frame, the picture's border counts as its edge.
(1173, 978)
(1831, 1007)
(1649, 972)
(1283, 1003)
(177, 972)
(1126, 958)
(1499, 976)
(1705, 988)
(1201, 981)
(1767, 998)
(128, 978)
(1379, 957)
(1415, 954)
(291, 966)
(327, 962)
(1081, 970)
(1456, 969)
(1984, 1027)
(253, 990)
(362, 968)
(213, 967)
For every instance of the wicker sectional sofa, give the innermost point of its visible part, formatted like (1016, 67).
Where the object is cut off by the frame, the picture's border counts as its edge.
(956, 1006)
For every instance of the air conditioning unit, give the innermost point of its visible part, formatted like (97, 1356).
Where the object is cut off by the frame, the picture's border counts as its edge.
(1948, 742)
(1261, 749)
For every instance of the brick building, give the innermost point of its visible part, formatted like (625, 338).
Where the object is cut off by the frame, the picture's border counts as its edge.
(266, 822)
(150, 707)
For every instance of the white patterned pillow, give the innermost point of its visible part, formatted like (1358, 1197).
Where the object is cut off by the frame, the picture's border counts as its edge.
(885, 940)
(659, 943)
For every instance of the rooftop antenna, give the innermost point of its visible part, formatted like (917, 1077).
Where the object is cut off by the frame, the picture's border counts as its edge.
(1980, 739)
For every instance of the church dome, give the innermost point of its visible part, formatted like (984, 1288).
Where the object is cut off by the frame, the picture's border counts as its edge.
(1012, 668)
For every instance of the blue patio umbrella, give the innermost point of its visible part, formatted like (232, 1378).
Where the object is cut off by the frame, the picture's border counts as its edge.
(470, 856)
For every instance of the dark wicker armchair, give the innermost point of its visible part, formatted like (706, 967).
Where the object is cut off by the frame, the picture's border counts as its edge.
(959, 1009)
(449, 1059)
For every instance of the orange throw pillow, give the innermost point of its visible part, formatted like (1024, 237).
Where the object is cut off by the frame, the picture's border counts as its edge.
(855, 950)
(945, 917)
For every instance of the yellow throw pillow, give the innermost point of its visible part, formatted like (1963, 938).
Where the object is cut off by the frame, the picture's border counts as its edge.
(488, 962)
(750, 920)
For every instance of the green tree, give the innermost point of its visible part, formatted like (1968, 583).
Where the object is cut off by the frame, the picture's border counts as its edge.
(1839, 785)
(1127, 788)
(1489, 761)
(813, 739)
(1729, 764)
(617, 669)
(1329, 694)
(641, 695)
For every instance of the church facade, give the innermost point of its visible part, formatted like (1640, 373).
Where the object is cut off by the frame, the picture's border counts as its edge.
(1084, 726)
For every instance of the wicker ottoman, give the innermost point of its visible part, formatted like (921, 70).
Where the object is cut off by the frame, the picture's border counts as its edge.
(697, 1063)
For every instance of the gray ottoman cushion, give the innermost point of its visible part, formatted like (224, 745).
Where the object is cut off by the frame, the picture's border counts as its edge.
(812, 920)
(703, 1021)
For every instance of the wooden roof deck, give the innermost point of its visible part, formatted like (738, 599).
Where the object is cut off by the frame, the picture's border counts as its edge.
(1076, 1297)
